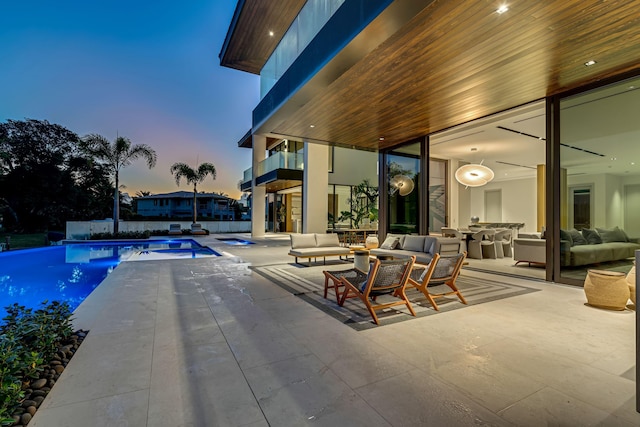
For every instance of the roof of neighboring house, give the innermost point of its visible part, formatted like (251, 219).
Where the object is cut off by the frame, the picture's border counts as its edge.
(182, 195)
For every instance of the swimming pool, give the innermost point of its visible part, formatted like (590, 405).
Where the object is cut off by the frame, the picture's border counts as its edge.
(70, 272)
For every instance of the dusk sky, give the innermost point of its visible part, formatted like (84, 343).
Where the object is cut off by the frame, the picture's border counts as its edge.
(146, 70)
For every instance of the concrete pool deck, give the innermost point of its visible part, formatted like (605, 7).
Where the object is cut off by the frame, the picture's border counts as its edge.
(208, 342)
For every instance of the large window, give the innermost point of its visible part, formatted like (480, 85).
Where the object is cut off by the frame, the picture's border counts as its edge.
(600, 179)
(437, 194)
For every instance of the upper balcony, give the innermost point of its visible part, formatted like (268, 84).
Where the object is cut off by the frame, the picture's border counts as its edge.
(279, 171)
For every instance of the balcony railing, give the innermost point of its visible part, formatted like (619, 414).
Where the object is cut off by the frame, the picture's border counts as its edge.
(280, 160)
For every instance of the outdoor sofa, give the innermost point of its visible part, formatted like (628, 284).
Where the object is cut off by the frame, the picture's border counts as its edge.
(422, 247)
(316, 245)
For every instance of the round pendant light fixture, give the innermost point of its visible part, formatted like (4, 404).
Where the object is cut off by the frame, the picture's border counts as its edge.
(402, 184)
(474, 175)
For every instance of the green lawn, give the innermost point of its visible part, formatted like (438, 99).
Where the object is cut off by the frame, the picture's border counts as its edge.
(22, 241)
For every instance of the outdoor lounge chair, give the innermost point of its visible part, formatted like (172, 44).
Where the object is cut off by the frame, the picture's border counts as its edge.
(174, 229)
(388, 277)
(196, 229)
(442, 270)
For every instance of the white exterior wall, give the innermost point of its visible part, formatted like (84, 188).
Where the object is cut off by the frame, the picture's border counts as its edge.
(351, 167)
(81, 230)
(315, 204)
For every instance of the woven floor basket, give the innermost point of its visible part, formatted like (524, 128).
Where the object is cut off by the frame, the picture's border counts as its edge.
(606, 289)
(631, 281)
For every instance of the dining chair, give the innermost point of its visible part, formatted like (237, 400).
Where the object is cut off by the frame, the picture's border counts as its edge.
(482, 244)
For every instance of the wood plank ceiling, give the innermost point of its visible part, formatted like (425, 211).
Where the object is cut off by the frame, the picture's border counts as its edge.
(249, 43)
(457, 61)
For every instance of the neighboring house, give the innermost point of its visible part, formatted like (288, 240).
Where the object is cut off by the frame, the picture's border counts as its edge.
(544, 94)
(180, 205)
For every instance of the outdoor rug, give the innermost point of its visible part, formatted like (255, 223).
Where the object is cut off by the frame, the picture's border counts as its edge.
(307, 283)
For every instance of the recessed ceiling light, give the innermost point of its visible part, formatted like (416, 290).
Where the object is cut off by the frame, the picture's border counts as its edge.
(271, 34)
(381, 138)
(614, 158)
(502, 9)
(633, 163)
(590, 63)
(312, 126)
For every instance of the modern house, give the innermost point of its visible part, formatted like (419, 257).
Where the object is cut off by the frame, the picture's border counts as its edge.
(546, 95)
(179, 204)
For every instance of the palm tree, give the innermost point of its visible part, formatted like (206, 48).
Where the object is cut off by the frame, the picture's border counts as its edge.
(115, 156)
(193, 176)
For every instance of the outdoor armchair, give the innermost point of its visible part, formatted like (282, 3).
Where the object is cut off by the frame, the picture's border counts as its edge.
(442, 270)
(387, 277)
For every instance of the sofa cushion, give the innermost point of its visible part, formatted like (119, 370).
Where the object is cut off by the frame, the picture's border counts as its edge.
(612, 235)
(576, 237)
(391, 242)
(324, 240)
(413, 243)
(431, 244)
(303, 241)
(564, 235)
(591, 236)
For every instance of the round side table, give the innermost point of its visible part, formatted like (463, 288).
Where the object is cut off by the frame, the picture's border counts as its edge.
(361, 260)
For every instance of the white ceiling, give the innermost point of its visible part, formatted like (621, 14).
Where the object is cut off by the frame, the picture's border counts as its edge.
(516, 152)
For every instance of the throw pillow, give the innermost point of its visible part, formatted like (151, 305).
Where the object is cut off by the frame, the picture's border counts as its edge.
(576, 237)
(612, 235)
(390, 242)
(564, 235)
(592, 236)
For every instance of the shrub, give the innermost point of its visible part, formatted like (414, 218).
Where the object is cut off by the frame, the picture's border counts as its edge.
(27, 339)
(121, 235)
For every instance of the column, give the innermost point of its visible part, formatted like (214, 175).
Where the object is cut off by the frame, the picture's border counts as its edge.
(258, 193)
(315, 183)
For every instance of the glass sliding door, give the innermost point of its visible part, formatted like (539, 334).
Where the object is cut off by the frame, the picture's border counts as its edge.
(438, 217)
(403, 172)
(599, 180)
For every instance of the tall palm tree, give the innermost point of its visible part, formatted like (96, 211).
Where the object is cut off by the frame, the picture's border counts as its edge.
(193, 176)
(116, 156)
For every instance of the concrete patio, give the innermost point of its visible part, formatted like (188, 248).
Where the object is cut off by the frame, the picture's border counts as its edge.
(208, 342)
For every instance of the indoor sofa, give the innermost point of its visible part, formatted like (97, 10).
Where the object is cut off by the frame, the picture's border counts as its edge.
(316, 245)
(422, 247)
(592, 246)
(579, 248)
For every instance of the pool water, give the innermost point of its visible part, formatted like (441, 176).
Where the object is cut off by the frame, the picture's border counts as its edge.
(70, 272)
(235, 241)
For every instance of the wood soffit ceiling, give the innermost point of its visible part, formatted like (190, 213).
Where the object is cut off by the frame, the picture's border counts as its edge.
(459, 61)
(250, 44)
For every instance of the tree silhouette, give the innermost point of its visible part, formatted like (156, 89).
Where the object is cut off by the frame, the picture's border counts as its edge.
(193, 176)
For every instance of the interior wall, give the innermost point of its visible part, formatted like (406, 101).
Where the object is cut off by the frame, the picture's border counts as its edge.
(518, 201)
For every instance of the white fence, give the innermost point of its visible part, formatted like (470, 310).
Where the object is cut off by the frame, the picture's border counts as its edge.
(81, 230)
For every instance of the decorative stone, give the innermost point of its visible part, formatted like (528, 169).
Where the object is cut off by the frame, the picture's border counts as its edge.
(25, 418)
(38, 400)
(38, 384)
(31, 410)
(55, 362)
(28, 402)
(37, 393)
(59, 369)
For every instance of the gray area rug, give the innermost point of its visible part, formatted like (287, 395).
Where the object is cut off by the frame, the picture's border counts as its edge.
(307, 283)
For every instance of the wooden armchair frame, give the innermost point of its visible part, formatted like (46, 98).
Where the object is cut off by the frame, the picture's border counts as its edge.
(388, 277)
(441, 270)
